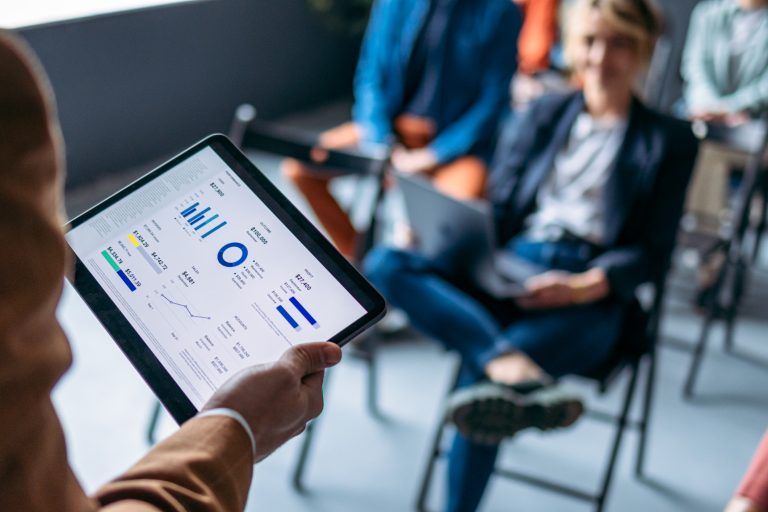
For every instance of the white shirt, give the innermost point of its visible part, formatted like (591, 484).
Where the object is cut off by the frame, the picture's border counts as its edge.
(571, 198)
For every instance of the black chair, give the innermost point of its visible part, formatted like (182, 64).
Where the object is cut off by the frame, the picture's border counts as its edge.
(728, 287)
(636, 345)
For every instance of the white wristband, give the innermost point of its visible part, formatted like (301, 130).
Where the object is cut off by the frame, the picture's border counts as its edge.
(223, 411)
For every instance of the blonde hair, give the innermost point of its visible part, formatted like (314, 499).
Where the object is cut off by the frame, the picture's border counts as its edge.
(638, 19)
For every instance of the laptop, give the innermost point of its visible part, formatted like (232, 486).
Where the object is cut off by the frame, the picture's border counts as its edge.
(459, 237)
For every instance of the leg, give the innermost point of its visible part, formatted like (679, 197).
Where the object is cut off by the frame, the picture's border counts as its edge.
(314, 187)
(434, 305)
(470, 465)
(464, 178)
(564, 341)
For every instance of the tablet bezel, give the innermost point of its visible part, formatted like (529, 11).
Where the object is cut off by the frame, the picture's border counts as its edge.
(128, 339)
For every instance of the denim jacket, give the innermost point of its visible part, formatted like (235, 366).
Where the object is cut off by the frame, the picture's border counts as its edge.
(481, 57)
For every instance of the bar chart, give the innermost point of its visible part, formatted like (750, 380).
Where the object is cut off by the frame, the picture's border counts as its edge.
(202, 219)
(288, 318)
(303, 311)
(143, 251)
(116, 267)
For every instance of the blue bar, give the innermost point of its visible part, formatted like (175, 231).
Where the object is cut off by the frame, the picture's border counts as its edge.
(126, 280)
(207, 221)
(303, 311)
(214, 229)
(189, 210)
(198, 216)
(288, 318)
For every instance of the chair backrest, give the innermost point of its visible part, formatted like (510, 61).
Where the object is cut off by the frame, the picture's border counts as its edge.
(638, 336)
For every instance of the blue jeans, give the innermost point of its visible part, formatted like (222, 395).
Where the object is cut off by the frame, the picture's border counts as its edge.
(562, 341)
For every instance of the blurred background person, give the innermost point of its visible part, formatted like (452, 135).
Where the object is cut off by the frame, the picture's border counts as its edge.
(539, 42)
(725, 73)
(725, 61)
(752, 494)
(433, 80)
(590, 185)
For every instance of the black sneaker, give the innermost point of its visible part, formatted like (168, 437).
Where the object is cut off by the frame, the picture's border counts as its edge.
(487, 412)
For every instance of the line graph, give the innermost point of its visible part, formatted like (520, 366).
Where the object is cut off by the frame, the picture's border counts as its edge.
(185, 307)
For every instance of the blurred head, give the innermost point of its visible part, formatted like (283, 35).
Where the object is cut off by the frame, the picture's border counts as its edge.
(609, 43)
(752, 4)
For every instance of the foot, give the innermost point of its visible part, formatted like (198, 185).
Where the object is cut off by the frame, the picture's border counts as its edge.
(487, 412)
(514, 368)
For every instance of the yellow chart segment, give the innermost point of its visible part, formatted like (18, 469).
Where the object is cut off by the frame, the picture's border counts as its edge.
(133, 240)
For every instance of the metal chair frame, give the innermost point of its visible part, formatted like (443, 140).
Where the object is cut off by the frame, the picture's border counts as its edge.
(604, 379)
(732, 279)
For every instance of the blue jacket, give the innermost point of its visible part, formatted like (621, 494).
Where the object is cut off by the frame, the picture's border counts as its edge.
(645, 192)
(480, 61)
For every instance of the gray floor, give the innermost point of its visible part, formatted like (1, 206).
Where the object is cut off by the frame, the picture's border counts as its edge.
(698, 449)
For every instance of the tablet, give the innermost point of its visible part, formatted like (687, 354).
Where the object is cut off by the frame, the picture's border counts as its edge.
(202, 268)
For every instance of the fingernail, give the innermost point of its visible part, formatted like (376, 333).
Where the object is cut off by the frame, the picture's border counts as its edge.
(331, 354)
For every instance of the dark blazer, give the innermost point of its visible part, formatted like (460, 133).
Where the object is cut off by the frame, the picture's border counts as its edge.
(645, 193)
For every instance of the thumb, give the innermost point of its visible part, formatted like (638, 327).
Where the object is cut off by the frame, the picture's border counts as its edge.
(309, 358)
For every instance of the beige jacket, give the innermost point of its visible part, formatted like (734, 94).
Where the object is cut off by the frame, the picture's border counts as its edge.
(205, 466)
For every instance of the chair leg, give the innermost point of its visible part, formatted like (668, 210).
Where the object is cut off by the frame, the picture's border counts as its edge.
(301, 464)
(646, 415)
(154, 419)
(426, 481)
(730, 328)
(306, 443)
(698, 353)
(621, 424)
(434, 453)
(763, 218)
(373, 388)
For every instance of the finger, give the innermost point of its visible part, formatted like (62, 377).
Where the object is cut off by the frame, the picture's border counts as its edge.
(299, 430)
(318, 154)
(314, 397)
(314, 380)
(309, 358)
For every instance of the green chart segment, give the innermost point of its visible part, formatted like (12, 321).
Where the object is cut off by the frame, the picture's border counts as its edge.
(116, 267)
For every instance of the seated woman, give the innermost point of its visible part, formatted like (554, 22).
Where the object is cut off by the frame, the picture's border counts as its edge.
(591, 186)
(725, 62)
(432, 80)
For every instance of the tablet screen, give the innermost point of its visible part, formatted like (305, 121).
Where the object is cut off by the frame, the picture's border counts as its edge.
(208, 275)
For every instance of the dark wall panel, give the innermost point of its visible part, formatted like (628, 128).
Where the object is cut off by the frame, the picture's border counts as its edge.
(136, 86)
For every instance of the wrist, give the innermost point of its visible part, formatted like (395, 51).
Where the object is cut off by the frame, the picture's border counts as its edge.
(589, 286)
(231, 413)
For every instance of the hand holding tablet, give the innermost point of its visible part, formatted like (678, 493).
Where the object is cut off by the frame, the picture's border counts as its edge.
(277, 400)
(202, 268)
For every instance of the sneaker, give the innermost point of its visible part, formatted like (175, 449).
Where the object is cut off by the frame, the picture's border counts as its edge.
(488, 413)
